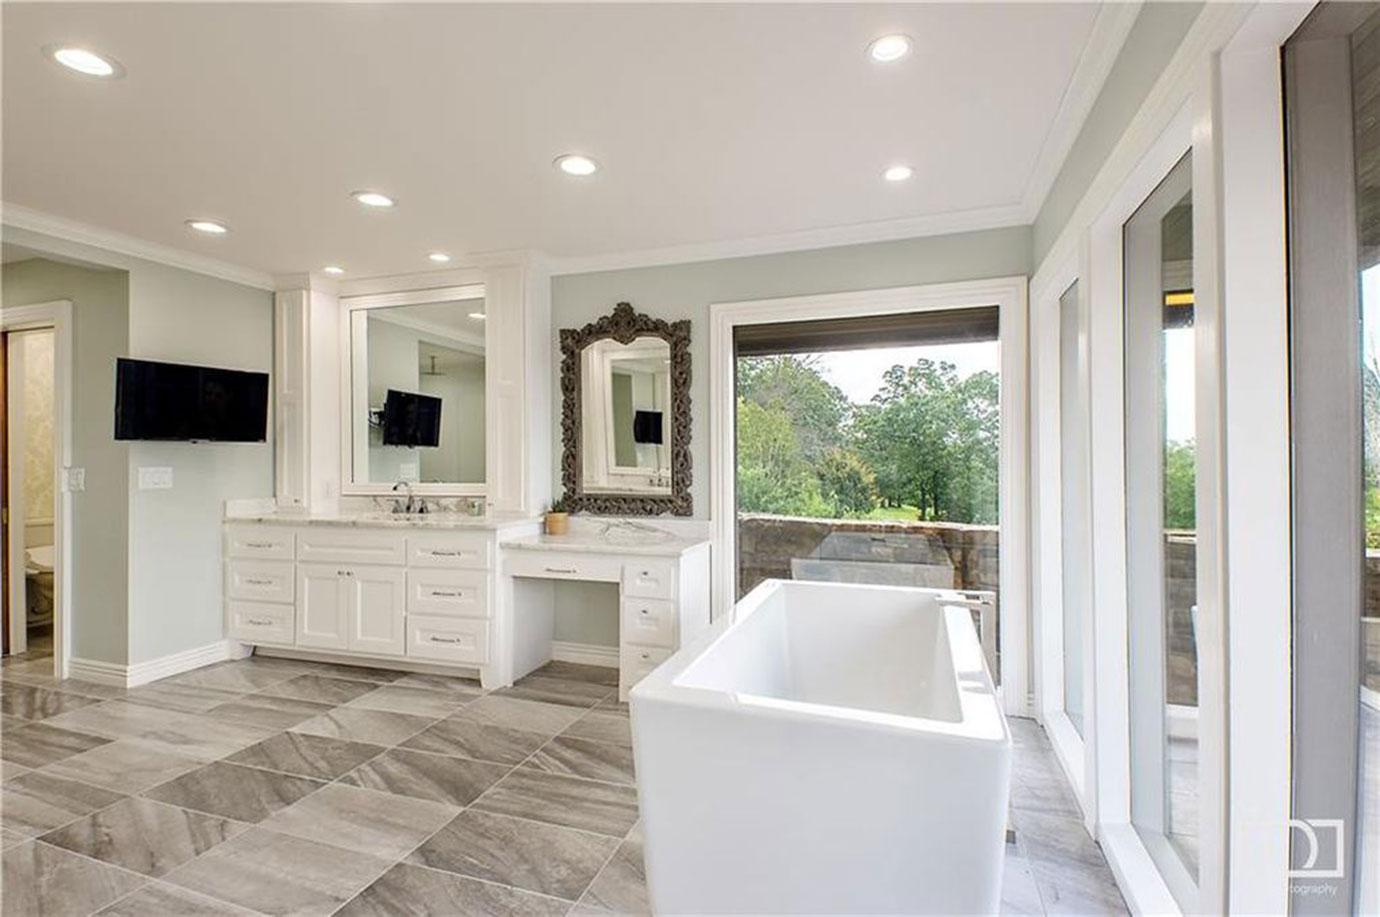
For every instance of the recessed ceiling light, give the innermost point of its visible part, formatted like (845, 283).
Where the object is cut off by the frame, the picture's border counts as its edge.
(333, 269)
(898, 173)
(889, 48)
(372, 198)
(439, 257)
(210, 227)
(83, 61)
(575, 164)
(477, 316)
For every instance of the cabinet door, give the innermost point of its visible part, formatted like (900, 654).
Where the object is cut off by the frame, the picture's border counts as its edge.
(323, 609)
(378, 600)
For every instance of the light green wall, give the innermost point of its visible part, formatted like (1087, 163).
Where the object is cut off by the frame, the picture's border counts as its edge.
(175, 539)
(686, 290)
(1155, 36)
(149, 583)
(100, 513)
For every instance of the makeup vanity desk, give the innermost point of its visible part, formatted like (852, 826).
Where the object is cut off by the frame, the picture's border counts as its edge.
(663, 592)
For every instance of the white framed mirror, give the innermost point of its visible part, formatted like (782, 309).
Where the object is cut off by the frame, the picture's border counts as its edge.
(625, 418)
(415, 391)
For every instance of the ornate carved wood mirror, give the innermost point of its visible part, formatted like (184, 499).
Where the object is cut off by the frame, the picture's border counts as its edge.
(625, 420)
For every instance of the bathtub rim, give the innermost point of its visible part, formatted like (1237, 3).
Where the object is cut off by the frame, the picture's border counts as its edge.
(981, 718)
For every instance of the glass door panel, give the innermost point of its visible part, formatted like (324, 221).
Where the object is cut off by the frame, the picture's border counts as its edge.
(1161, 542)
(1074, 518)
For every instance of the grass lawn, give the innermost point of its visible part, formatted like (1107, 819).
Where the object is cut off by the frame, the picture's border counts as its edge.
(893, 514)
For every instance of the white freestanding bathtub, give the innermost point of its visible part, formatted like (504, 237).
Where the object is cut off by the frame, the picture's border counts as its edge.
(833, 749)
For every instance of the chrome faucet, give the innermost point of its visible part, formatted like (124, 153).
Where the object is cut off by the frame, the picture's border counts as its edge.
(411, 504)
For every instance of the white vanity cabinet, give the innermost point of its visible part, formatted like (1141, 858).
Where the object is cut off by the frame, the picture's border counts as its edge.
(384, 592)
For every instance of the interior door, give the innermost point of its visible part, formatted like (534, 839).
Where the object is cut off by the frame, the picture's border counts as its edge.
(323, 606)
(377, 618)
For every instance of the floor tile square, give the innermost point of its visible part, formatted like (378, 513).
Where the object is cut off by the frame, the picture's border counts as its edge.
(279, 874)
(305, 755)
(366, 821)
(599, 807)
(30, 703)
(566, 691)
(231, 676)
(584, 758)
(540, 858)
(321, 689)
(125, 766)
(267, 712)
(467, 738)
(377, 727)
(421, 892)
(37, 803)
(467, 688)
(528, 715)
(43, 743)
(416, 701)
(621, 886)
(602, 726)
(172, 730)
(41, 879)
(243, 793)
(143, 836)
(187, 698)
(158, 899)
(594, 674)
(455, 781)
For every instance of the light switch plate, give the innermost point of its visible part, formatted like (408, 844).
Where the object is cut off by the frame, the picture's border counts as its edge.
(76, 480)
(155, 478)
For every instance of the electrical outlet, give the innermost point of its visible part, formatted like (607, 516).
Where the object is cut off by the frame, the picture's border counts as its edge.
(155, 478)
(76, 480)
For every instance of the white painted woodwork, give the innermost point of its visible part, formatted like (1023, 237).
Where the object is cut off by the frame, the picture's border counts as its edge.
(376, 609)
(323, 610)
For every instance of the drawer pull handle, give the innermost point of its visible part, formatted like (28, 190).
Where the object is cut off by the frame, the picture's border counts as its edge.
(344, 573)
(263, 545)
(437, 593)
(435, 639)
(438, 553)
(258, 582)
(259, 622)
(561, 570)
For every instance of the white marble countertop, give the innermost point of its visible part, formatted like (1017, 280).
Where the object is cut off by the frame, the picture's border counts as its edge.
(618, 540)
(381, 519)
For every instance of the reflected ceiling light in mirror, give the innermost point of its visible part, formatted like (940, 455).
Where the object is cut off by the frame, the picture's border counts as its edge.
(83, 61)
(477, 316)
(898, 173)
(333, 269)
(438, 257)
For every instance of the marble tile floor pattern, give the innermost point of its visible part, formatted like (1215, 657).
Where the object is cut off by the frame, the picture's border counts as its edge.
(282, 787)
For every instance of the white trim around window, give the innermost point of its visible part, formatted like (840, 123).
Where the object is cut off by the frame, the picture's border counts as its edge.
(1009, 295)
(1072, 750)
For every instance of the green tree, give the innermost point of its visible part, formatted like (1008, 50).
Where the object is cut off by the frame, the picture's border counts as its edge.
(847, 483)
(773, 475)
(932, 439)
(1180, 471)
(817, 411)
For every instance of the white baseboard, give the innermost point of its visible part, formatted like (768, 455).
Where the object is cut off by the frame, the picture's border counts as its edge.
(141, 673)
(585, 653)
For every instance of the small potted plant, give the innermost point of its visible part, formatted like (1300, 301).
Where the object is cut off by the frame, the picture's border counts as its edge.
(558, 517)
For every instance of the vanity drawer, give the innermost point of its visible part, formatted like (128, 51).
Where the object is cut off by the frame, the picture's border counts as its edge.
(557, 565)
(260, 542)
(464, 640)
(472, 552)
(649, 579)
(648, 622)
(342, 546)
(259, 580)
(636, 663)
(257, 622)
(463, 593)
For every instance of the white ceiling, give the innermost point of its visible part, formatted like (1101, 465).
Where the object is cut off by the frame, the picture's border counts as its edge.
(713, 123)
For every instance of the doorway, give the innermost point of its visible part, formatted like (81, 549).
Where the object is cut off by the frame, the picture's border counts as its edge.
(35, 450)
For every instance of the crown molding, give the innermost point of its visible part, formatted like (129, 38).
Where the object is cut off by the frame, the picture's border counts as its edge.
(1110, 28)
(36, 221)
(806, 240)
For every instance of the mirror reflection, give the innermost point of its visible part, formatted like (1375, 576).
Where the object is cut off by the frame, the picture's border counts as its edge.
(418, 393)
(625, 416)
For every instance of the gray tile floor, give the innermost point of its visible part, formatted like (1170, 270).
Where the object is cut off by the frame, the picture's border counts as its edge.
(282, 787)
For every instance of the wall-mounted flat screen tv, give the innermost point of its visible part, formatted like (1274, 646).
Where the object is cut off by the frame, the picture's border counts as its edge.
(411, 419)
(174, 401)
